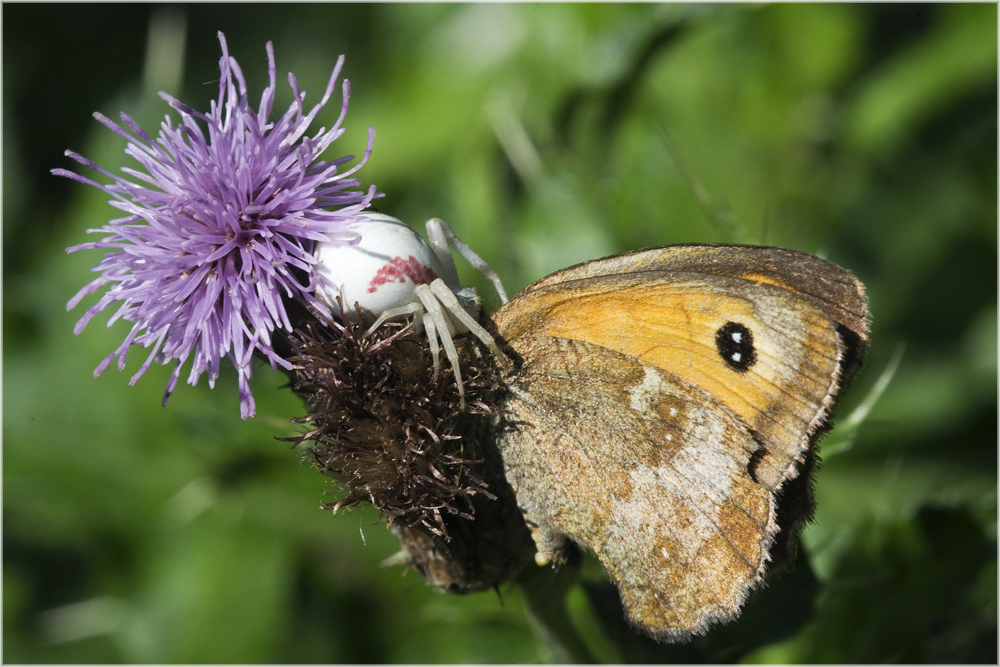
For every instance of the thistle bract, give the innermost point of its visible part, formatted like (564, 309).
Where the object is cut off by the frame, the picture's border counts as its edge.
(220, 228)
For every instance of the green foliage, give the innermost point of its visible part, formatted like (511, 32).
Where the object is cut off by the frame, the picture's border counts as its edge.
(545, 135)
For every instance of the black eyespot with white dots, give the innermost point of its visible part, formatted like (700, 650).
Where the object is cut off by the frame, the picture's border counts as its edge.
(735, 345)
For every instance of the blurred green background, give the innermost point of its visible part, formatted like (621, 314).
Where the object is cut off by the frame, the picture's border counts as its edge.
(545, 135)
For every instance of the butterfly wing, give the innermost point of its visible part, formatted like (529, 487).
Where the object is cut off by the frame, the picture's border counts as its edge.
(750, 358)
(836, 292)
(614, 454)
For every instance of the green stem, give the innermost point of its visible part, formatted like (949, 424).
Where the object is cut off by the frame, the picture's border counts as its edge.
(545, 590)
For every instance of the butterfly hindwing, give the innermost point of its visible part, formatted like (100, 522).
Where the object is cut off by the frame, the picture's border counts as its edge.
(659, 492)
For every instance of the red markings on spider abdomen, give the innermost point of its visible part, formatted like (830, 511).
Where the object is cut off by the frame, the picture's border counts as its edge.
(399, 270)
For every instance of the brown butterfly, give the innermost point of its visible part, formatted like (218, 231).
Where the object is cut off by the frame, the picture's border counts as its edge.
(662, 410)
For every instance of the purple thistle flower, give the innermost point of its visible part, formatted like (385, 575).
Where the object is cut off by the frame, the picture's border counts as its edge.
(220, 227)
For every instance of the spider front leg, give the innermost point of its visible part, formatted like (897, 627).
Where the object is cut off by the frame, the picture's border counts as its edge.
(432, 341)
(442, 240)
(448, 299)
(429, 298)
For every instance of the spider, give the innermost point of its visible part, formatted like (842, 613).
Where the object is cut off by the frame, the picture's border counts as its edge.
(392, 270)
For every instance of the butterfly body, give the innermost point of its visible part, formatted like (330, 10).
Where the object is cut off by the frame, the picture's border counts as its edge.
(661, 402)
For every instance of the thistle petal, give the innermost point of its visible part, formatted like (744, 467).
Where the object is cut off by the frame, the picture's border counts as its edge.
(226, 208)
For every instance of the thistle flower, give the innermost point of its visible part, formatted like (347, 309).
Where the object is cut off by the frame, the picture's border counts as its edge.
(386, 426)
(220, 228)
(393, 432)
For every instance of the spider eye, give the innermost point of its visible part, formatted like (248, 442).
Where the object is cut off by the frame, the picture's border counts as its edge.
(378, 273)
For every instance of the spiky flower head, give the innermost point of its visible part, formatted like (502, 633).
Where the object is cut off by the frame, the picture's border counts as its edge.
(221, 226)
(392, 431)
(387, 427)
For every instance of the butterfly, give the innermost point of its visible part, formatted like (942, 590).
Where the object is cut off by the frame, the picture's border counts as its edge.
(661, 412)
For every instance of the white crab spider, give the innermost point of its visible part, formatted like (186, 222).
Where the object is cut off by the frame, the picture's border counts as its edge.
(393, 271)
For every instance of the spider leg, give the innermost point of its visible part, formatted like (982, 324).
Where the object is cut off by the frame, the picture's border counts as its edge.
(447, 298)
(410, 308)
(442, 239)
(438, 239)
(437, 319)
(452, 354)
(432, 339)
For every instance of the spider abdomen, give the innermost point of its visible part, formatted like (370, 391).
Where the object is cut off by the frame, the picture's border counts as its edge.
(378, 273)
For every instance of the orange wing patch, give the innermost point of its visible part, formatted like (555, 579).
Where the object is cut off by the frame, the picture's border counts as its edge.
(760, 278)
(674, 326)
